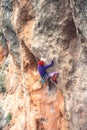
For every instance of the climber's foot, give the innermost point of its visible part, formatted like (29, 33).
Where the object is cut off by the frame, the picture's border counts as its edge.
(56, 82)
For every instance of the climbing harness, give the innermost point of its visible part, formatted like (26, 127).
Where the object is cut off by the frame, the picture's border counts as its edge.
(51, 79)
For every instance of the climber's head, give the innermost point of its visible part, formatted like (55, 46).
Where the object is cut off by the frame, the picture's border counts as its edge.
(41, 62)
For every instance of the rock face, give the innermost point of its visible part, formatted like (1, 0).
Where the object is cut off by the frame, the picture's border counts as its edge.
(42, 29)
(79, 8)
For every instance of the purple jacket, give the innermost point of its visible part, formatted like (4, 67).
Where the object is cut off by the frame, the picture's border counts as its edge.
(42, 69)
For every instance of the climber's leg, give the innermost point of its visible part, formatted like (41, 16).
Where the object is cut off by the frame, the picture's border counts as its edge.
(44, 81)
(49, 83)
(54, 76)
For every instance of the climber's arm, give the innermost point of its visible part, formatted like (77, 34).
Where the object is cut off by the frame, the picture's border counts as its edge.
(49, 65)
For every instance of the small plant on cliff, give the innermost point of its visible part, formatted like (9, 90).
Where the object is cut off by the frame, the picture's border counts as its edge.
(2, 77)
(8, 118)
(1, 33)
(2, 89)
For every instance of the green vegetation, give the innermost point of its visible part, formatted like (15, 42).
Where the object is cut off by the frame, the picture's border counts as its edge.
(2, 89)
(1, 33)
(8, 118)
(2, 78)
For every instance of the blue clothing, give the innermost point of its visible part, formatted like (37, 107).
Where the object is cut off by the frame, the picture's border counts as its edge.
(42, 69)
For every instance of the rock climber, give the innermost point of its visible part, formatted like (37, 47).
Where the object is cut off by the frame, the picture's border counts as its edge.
(42, 69)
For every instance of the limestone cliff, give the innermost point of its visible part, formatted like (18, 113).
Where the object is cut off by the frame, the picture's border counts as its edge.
(30, 30)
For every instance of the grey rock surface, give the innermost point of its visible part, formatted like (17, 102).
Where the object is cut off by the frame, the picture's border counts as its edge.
(59, 30)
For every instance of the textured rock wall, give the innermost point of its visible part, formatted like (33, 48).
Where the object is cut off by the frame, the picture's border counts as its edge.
(78, 113)
(79, 9)
(42, 29)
